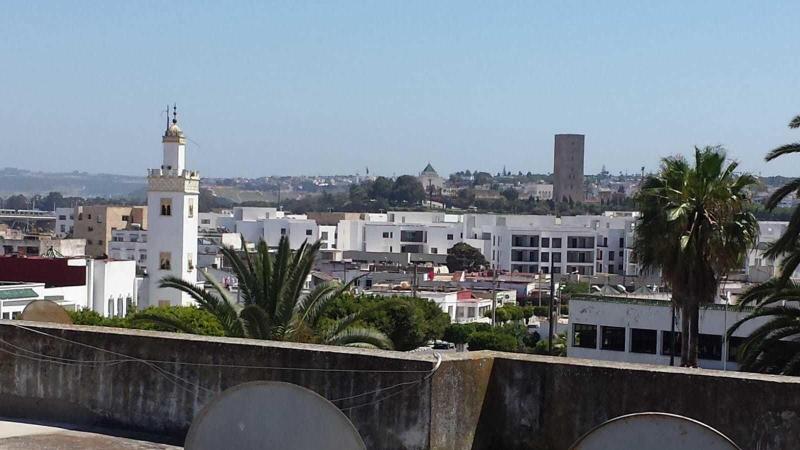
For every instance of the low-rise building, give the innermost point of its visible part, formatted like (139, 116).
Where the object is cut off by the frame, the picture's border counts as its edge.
(639, 330)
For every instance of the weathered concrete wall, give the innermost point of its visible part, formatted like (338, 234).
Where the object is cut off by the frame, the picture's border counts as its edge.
(536, 402)
(134, 397)
(478, 400)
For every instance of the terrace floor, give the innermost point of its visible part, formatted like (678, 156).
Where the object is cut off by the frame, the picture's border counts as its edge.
(16, 435)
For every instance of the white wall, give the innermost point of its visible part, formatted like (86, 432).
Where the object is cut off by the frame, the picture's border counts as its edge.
(619, 312)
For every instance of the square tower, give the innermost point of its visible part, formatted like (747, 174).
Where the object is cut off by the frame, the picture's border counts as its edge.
(172, 201)
(568, 168)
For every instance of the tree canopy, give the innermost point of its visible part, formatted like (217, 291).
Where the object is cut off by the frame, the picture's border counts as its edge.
(463, 256)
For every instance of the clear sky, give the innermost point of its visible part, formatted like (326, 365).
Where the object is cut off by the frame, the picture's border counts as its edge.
(332, 86)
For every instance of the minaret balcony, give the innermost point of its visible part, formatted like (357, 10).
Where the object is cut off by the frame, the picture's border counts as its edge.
(173, 180)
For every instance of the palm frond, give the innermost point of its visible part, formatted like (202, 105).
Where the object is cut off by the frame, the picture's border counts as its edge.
(360, 336)
(783, 150)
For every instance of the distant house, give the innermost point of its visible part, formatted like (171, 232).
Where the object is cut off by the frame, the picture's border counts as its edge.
(430, 179)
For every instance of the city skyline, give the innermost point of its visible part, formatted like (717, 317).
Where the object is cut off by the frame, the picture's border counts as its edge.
(301, 90)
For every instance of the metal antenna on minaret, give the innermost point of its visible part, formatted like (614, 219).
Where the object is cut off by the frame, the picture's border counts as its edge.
(175, 113)
(166, 111)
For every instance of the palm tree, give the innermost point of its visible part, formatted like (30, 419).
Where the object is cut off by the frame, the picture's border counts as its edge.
(774, 347)
(695, 227)
(274, 305)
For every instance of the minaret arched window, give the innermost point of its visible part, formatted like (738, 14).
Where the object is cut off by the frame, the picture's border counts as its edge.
(166, 206)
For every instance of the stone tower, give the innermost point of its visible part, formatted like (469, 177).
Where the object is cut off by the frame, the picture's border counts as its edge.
(568, 168)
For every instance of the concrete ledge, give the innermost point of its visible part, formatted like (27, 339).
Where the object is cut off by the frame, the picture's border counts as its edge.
(477, 400)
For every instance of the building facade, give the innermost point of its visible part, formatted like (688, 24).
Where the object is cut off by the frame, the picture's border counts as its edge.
(639, 330)
(568, 168)
(172, 197)
(96, 223)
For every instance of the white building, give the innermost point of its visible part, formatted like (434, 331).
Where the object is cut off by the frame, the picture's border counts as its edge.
(129, 245)
(759, 268)
(638, 330)
(106, 286)
(65, 222)
(172, 220)
(537, 191)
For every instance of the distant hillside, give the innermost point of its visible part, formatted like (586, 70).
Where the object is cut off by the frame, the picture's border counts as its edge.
(80, 184)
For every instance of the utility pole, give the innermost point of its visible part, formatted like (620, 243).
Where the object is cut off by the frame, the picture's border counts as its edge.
(672, 336)
(550, 308)
(494, 297)
(414, 282)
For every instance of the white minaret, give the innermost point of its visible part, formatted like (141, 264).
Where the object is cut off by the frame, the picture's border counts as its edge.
(172, 196)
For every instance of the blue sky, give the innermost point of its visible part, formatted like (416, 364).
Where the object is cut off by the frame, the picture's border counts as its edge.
(332, 87)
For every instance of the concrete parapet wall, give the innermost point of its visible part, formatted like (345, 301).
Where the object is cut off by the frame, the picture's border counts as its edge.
(477, 400)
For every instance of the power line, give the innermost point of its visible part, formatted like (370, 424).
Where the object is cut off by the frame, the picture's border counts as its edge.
(175, 379)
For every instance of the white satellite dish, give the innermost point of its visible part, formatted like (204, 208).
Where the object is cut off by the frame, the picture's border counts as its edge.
(272, 415)
(653, 431)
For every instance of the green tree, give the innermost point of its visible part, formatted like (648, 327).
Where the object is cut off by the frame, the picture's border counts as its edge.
(407, 190)
(274, 305)
(695, 226)
(510, 194)
(193, 319)
(381, 188)
(492, 340)
(774, 347)
(463, 256)
(458, 333)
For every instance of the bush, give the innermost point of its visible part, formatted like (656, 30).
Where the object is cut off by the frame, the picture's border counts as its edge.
(564, 310)
(540, 311)
(458, 333)
(492, 340)
(559, 346)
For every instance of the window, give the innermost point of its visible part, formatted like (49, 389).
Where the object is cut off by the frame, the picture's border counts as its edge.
(666, 343)
(126, 218)
(165, 262)
(449, 237)
(612, 338)
(100, 242)
(63, 228)
(166, 206)
(605, 242)
(643, 341)
(611, 255)
(88, 217)
(556, 269)
(191, 208)
(599, 268)
(90, 229)
(89, 242)
(556, 242)
(386, 235)
(308, 232)
(733, 347)
(557, 257)
(584, 336)
(324, 235)
(62, 217)
(622, 242)
(434, 251)
(709, 346)
(190, 261)
(545, 256)
(545, 242)
(206, 221)
(80, 216)
(99, 219)
(283, 231)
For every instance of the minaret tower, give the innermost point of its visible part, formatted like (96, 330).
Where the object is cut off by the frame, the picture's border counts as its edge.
(172, 215)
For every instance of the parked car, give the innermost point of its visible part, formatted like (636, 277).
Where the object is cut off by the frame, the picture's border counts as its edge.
(443, 345)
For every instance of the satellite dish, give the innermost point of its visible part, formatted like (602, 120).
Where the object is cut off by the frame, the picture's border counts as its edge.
(653, 431)
(45, 311)
(272, 415)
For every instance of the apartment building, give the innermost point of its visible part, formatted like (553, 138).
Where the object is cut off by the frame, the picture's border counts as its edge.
(129, 245)
(96, 223)
(65, 222)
